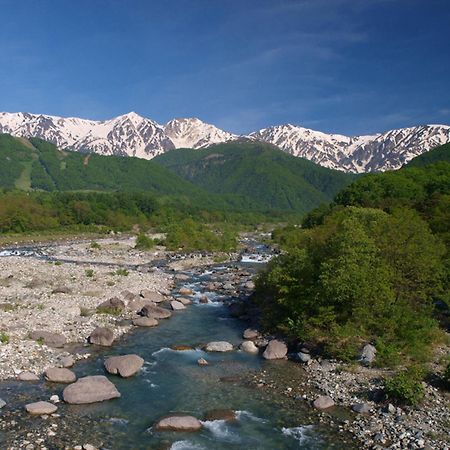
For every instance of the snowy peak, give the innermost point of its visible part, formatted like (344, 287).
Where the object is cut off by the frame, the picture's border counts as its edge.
(193, 133)
(133, 135)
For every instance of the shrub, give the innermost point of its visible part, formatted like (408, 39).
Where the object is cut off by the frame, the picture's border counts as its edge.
(447, 374)
(143, 242)
(89, 273)
(4, 338)
(95, 245)
(122, 272)
(406, 387)
(108, 310)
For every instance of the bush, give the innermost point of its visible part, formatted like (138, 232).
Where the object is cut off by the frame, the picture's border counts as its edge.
(122, 272)
(143, 242)
(89, 273)
(406, 387)
(4, 338)
(95, 245)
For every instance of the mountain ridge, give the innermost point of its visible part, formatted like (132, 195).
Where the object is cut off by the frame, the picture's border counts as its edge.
(133, 135)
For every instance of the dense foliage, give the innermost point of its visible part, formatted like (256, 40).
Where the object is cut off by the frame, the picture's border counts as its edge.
(367, 268)
(270, 177)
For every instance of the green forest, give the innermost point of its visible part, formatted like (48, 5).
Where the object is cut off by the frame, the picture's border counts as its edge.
(373, 266)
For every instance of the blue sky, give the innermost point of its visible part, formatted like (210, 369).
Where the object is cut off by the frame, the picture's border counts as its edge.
(344, 66)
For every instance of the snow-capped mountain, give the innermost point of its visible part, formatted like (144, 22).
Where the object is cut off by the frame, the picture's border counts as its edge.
(127, 135)
(134, 135)
(385, 151)
(193, 133)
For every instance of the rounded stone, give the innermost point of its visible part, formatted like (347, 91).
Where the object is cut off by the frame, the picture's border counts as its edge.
(40, 408)
(125, 365)
(275, 350)
(60, 375)
(102, 336)
(323, 402)
(219, 346)
(178, 423)
(249, 347)
(145, 322)
(92, 389)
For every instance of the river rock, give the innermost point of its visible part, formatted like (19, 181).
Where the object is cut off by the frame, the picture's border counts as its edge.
(203, 299)
(40, 408)
(102, 336)
(138, 304)
(27, 376)
(60, 375)
(155, 312)
(55, 340)
(185, 291)
(202, 362)
(323, 402)
(129, 296)
(125, 365)
(249, 285)
(275, 350)
(145, 322)
(304, 357)
(152, 296)
(2, 403)
(176, 305)
(361, 408)
(178, 423)
(185, 300)
(113, 305)
(67, 361)
(221, 414)
(249, 347)
(251, 333)
(96, 388)
(228, 287)
(181, 277)
(367, 355)
(219, 346)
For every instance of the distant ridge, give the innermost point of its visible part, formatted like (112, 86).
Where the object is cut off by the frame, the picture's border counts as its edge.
(133, 135)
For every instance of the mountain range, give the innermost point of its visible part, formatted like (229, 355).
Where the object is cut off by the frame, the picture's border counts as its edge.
(134, 135)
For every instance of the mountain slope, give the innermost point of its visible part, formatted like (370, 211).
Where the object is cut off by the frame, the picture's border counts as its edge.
(259, 171)
(441, 153)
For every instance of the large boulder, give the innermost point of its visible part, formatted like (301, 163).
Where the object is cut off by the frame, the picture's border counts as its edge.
(40, 408)
(176, 305)
(367, 355)
(219, 346)
(249, 347)
(145, 322)
(60, 375)
(275, 350)
(178, 423)
(125, 366)
(102, 336)
(323, 402)
(112, 306)
(55, 340)
(96, 388)
(152, 296)
(156, 312)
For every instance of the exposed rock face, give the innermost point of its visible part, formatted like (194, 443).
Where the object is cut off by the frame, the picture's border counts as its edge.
(60, 375)
(125, 366)
(51, 339)
(249, 347)
(102, 336)
(275, 350)
(176, 305)
(40, 408)
(323, 402)
(155, 312)
(90, 389)
(219, 346)
(367, 355)
(145, 322)
(178, 423)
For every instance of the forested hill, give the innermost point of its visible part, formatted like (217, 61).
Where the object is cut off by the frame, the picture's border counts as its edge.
(259, 171)
(441, 153)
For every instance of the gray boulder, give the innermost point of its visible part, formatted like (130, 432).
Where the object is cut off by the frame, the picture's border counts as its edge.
(60, 375)
(155, 312)
(178, 423)
(249, 347)
(145, 322)
(367, 355)
(185, 300)
(27, 376)
(303, 357)
(67, 361)
(92, 389)
(219, 346)
(251, 333)
(125, 366)
(323, 402)
(361, 408)
(275, 350)
(102, 336)
(54, 340)
(152, 296)
(113, 305)
(176, 305)
(40, 408)
(2, 403)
